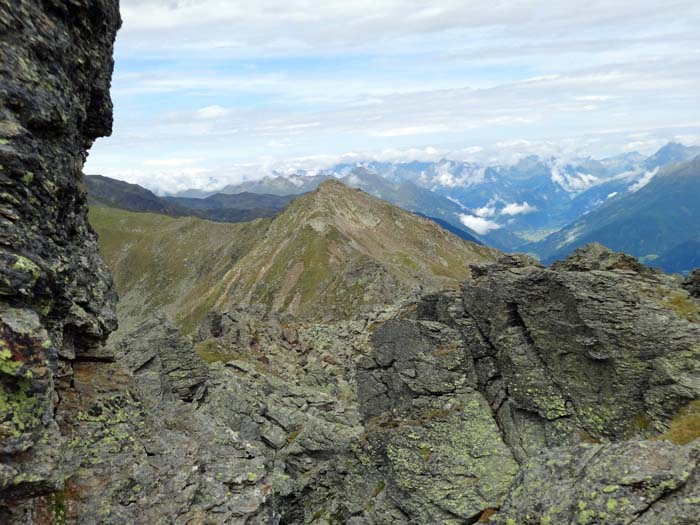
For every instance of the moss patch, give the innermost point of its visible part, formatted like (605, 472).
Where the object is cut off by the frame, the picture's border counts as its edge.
(685, 427)
(685, 307)
(211, 352)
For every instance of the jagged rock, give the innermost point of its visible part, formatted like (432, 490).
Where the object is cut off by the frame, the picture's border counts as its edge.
(641, 482)
(137, 463)
(595, 256)
(540, 362)
(56, 295)
(164, 363)
(418, 396)
(692, 283)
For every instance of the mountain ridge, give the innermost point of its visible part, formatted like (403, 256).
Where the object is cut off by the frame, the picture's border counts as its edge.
(219, 207)
(336, 251)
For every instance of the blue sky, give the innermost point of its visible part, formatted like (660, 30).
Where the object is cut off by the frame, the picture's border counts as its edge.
(209, 92)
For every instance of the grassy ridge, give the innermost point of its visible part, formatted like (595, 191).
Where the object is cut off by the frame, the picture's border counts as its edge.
(176, 264)
(330, 254)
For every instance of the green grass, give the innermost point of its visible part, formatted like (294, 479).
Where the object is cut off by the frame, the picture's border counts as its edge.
(685, 427)
(211, 352)
(684, 307)
(328, 255)
(178, 264)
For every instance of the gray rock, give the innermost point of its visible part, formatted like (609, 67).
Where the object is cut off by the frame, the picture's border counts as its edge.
(597, 257)
(646, 482)
(692, 283)
(56, 295)
(164, 363)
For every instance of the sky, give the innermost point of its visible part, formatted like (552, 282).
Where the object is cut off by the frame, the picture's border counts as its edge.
(209, 92)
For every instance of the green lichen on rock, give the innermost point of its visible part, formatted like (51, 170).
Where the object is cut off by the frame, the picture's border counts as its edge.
(23, 264)
(20, 409)
(457, 465)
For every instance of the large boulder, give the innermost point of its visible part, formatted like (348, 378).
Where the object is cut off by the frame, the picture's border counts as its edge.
(164, 363)
(557, 373)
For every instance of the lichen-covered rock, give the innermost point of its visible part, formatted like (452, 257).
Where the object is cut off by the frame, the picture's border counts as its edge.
(533, 366)
(164, 363)
(56, 295)
(595, 256)
(445, 457)
(140, 463)
(645, 482)
(567, 354)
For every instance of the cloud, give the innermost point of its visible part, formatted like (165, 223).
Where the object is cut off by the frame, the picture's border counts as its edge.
(486, 211)
(270, 82)
(518, 209)
(213, 112)
(278, 25)
(644, 180)
(169, 163)
(478, 224)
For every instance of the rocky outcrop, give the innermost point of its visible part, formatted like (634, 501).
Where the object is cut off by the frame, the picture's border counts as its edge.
(692, 283)
(164, 363)
(56, 295)
(534, 381)
(641, 482)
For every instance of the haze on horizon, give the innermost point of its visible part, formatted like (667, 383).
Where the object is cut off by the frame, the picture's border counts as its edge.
(214, 91)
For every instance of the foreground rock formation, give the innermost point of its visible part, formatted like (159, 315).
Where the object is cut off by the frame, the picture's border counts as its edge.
(56, 294)
(543, 381)
(532, 395)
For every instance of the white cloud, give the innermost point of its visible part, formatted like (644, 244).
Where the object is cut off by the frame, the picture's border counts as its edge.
(213, 112)
(169, 163)
(478, 224)
(644, 180)
(518, 209)
(278, 25)
(485, 211)
(572, 182)
(272, 82)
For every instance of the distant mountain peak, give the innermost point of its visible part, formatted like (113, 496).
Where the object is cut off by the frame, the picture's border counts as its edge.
(339, 249)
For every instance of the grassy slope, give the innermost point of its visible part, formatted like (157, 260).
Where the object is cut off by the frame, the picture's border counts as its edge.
(166, 263)
(328, 255)
(337, 249)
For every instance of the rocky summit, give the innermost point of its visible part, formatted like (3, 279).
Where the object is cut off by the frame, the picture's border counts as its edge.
(323, 377)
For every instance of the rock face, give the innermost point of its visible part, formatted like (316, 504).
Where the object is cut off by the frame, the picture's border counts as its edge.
(164, 363)
(56, 295)
(557, 371)
(692, 283)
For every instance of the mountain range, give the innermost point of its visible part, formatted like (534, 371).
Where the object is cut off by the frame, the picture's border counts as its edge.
(530, 205)
(220, 207)
(540, 206)
(331, 253)
(659, 222)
